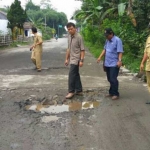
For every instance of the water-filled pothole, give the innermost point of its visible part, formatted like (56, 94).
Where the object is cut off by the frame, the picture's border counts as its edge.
(72, 106)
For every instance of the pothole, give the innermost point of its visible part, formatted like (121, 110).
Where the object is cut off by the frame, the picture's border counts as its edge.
(56, 104)
(72, 106)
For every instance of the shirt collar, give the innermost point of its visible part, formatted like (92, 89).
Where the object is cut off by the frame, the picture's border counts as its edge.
(72, 36)
(112, 39)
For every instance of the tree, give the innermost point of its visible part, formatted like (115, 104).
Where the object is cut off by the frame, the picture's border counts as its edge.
(93, 12)
(31, 6)
(45, 4)
(130, 12)
(141, 10)
(46, 18)
(62, 21)
(5, 9)
(128, 16)
(16, 16)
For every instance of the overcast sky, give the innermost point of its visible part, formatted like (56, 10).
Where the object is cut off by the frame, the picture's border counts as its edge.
(66, 6)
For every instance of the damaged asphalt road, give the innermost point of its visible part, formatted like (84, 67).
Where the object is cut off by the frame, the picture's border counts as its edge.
(34, 114)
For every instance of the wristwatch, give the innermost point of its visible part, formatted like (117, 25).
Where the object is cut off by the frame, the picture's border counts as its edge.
(119, 60)
(81, 60)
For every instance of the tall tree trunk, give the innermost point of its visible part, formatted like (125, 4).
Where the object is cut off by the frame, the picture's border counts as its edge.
(130, 13)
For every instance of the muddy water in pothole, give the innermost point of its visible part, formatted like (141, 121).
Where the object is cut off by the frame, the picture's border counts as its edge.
(72, 106)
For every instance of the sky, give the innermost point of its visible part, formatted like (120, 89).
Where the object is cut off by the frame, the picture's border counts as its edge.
(66, 6)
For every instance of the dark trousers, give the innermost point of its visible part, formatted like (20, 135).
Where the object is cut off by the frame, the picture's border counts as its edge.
(112, 74)
(74, 82)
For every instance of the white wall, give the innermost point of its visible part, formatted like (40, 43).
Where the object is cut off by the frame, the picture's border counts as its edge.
(30, 33)
(3, 26)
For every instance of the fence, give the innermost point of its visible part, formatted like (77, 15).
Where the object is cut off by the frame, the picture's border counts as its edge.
(22, 38)
(5, 40)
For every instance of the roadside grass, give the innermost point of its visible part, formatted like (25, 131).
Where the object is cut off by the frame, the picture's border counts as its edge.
(94, 49)
(14, 44)
(131, 63)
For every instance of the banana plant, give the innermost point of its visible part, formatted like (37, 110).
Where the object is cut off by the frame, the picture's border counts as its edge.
(94, 11)
(121, 8)
(97, 10)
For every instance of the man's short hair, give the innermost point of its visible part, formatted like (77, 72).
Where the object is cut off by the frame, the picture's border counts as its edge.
(34, 30)
(70, 24)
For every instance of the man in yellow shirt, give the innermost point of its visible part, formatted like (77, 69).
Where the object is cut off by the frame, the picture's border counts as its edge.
(146, 58)
(36, 48)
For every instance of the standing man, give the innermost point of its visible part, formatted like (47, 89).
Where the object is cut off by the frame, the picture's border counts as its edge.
(36, 48)
(113, 50)
(146, 58)
(75, 55)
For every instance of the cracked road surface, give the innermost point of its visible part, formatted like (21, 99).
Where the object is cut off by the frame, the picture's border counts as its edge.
(35, 116)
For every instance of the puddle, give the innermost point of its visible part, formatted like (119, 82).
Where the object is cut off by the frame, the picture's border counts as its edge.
(47, 119)
(73, 106)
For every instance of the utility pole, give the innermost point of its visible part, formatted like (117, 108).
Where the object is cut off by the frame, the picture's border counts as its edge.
(45, 23)
(59, 26)
(53, 29)
(58, 31)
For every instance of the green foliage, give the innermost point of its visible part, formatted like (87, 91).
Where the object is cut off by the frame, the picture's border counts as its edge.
(14, 44)
(47, 34)
(123, 27)
(16, 15)
(95, 11)
(5, 9)
(45, 4)
(94, 49)
(47, 15)
(92, 34)
(46, 31)
(132, 41)
(31, 6)
(111, 15)
(141, 10)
